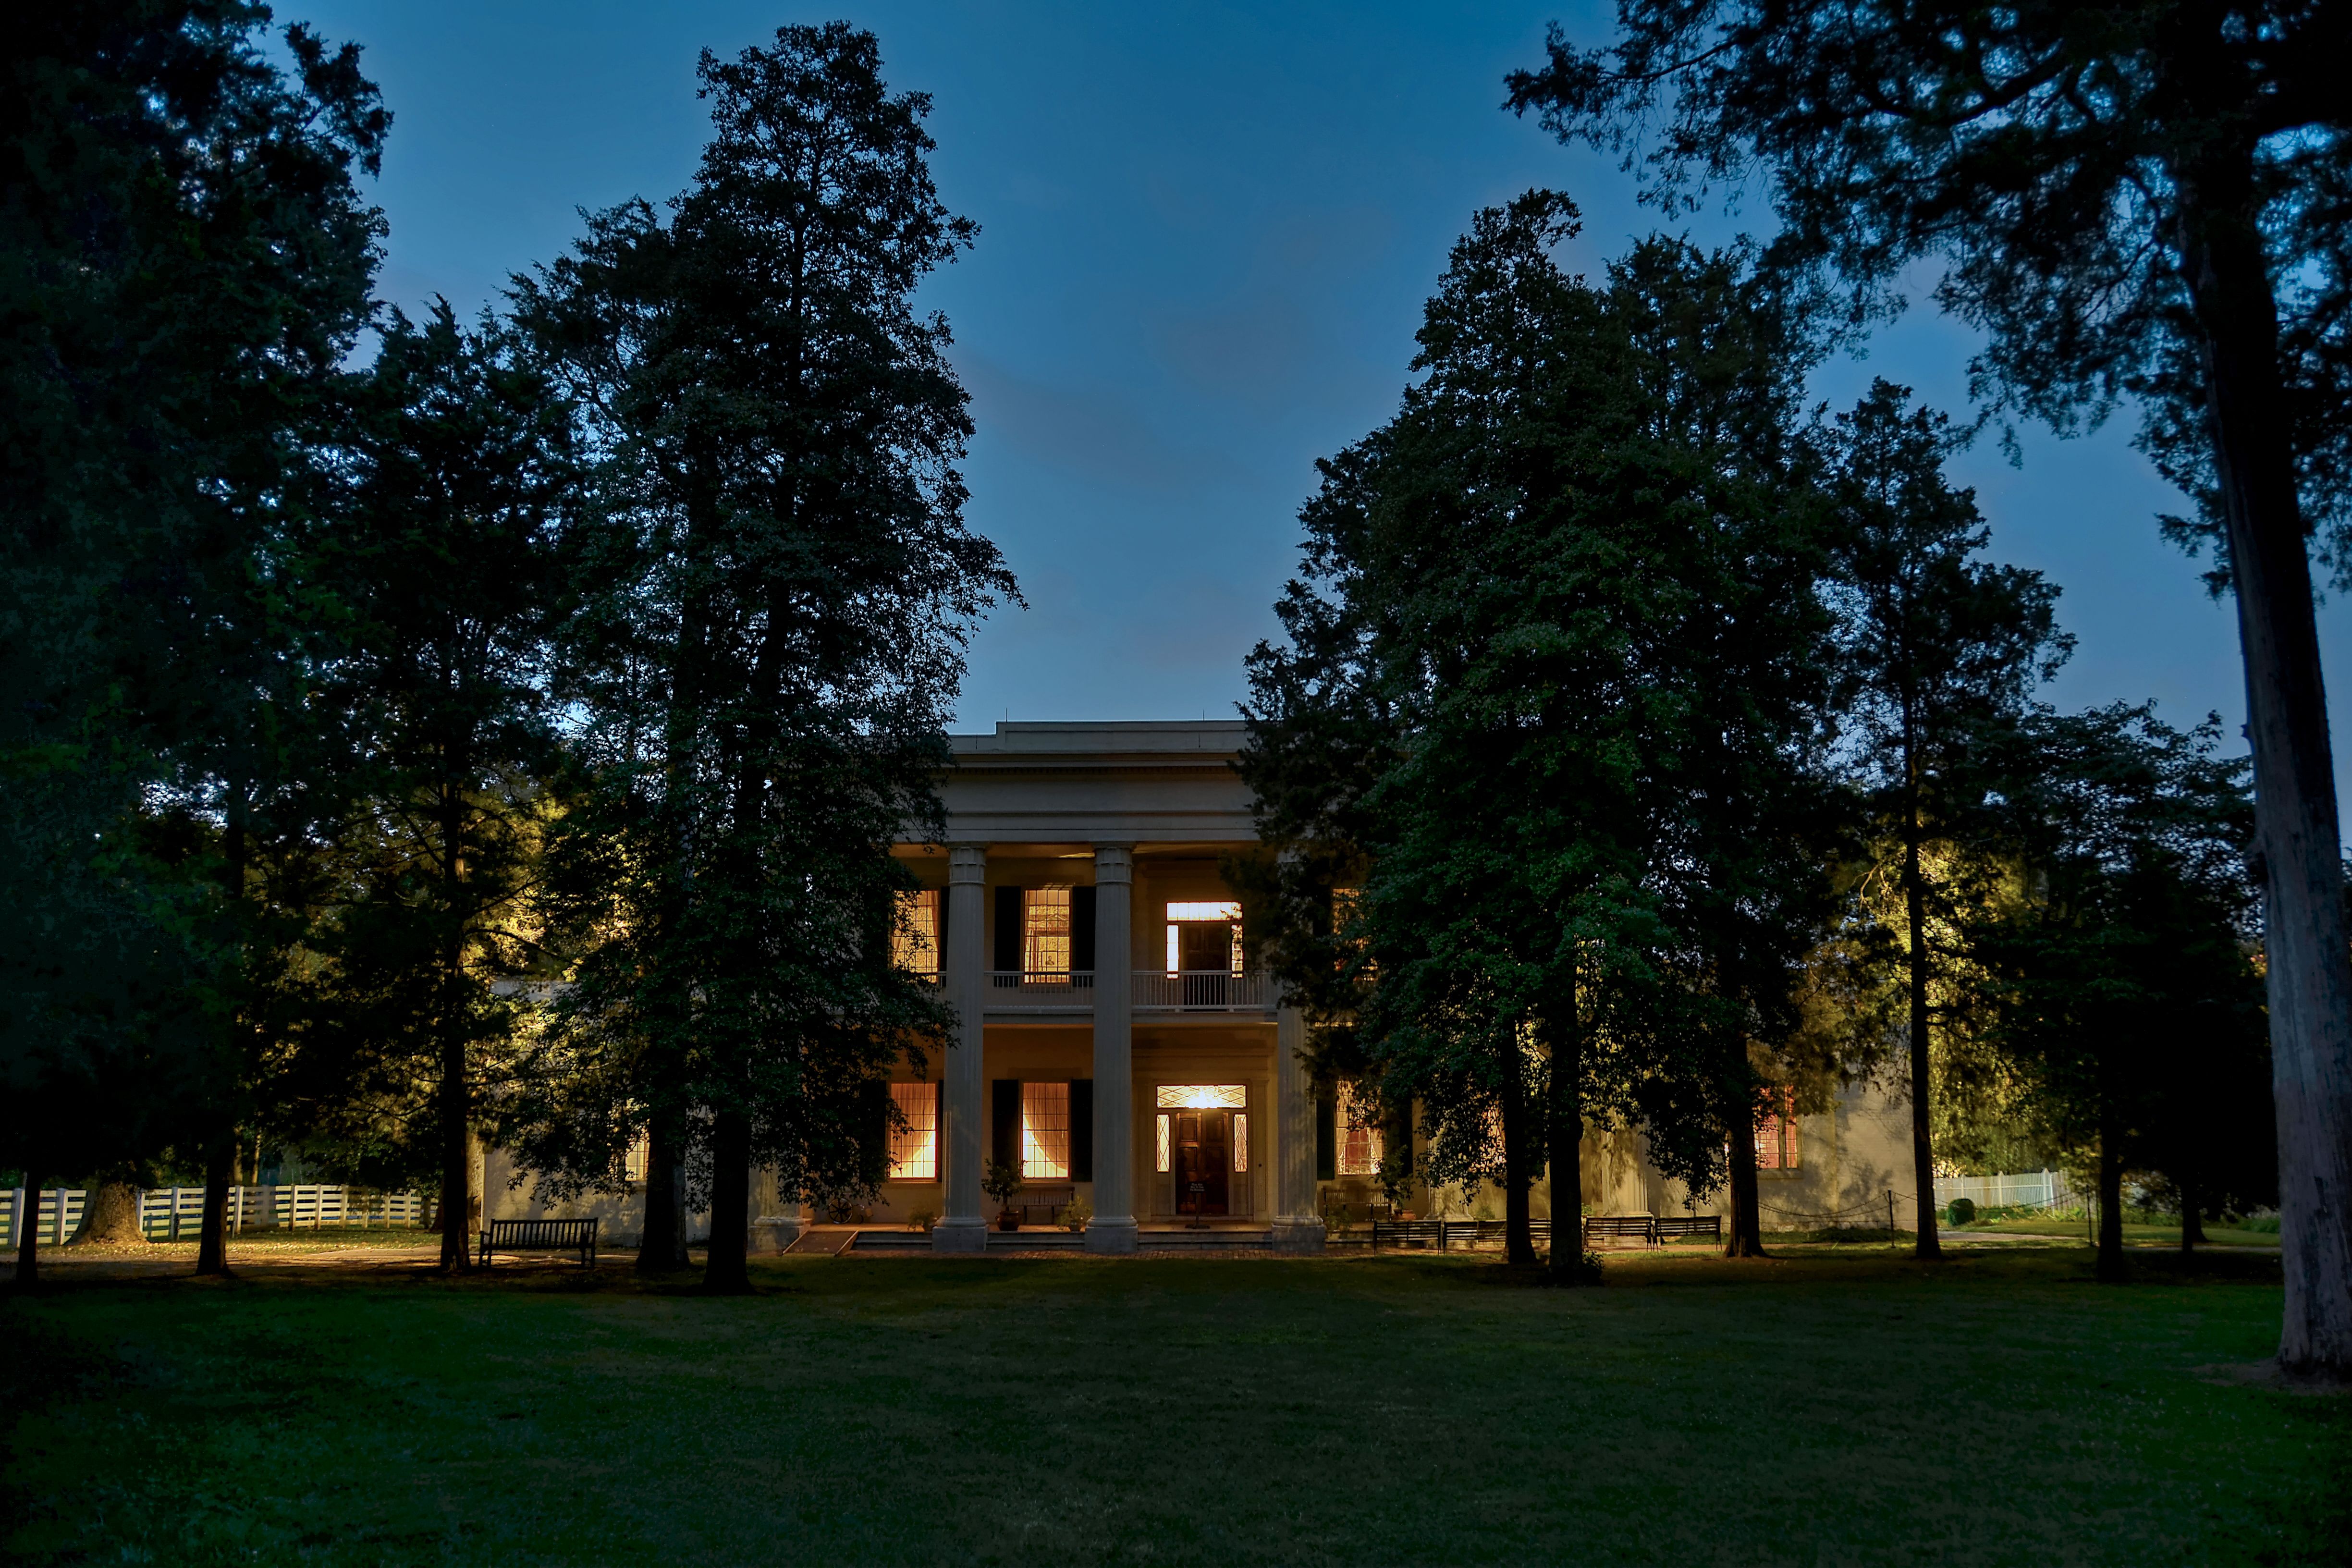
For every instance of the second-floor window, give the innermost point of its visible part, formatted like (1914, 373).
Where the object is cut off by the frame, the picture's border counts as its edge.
(1045, 931)
(916, 943)
(1204, 938)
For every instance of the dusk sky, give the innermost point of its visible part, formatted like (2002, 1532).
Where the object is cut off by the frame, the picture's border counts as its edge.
(1207, 233)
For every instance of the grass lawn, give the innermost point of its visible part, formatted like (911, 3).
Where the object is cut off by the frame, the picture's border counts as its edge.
(1831, 1407)
(2135, 1234)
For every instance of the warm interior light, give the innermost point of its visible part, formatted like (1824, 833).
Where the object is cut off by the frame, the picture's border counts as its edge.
(1203, 1096)
(1204, 912)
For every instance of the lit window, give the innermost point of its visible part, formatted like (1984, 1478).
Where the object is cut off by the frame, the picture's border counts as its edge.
(1204, 939)
(633, 1161)
(1044, 1132)
(915, 1146)
(915, 946)
(1203, 1096)
(1776, 1129)
(1162, 1166)
(1046, 931)
(1359, 1135)
(1241, 1140)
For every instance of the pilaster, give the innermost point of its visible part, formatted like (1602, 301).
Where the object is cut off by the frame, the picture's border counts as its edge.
(1113, 1228)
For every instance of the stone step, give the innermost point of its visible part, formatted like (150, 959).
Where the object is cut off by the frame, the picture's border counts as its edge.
(1036, 1240)
(1177, 1240)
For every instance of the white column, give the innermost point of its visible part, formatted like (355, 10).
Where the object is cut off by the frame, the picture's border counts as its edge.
(1113, 1228)
(1297, 1227)
(961, 1229)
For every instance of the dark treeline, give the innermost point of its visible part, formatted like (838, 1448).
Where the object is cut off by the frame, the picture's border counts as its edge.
(1646, 751)
(363, 669)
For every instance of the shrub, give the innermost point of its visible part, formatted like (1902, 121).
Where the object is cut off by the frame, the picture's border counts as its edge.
(1962, 1211)
(1075, 1215)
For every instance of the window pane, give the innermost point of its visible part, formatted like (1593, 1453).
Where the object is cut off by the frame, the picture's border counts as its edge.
(1044, 1132)
(915, 946)
(1241, 1140)
(1045, 931)
(1203, 1096)
(1162, 1167)
(633, 1163)
(1359, 1135)
(914, 1148)
(1204, 913)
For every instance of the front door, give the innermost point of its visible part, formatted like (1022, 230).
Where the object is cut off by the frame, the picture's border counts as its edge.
(1204, 1151)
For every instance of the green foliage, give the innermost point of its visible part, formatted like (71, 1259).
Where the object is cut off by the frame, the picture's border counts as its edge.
(1550, 707)
(2122, 987)
(999, 1179)
(777, 584)
(1075, 1215)
(1961, 1210)
(187, 262)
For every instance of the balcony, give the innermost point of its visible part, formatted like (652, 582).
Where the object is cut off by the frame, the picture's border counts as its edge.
(1156, 991)
(1039, 991)
(1203, 991)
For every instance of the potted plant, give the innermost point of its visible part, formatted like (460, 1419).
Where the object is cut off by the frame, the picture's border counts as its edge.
(1075, 1215)
(1000, 1180)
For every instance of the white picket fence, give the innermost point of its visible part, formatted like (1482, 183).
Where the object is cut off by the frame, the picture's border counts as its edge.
(176, 1213)
(2030, 1189)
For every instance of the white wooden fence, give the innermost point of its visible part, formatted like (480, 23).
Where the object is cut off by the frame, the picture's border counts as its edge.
(176, 1213)
(2030, 1189)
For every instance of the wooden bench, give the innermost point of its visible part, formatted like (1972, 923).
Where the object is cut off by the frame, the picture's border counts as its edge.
(1641, 1227)
(1696, 1224)
(1043, 1205)
(540, 1235)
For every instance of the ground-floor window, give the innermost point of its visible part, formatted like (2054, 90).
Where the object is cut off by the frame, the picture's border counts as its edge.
(1044, 1132)
(915, 1143)
(1360, 1134)
(1776, 1130)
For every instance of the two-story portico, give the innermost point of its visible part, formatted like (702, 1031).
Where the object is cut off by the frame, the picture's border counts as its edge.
(1111, 1041)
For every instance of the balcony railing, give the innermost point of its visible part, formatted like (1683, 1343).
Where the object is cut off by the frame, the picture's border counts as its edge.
(1156, 991)
(1203, 991)
(1034, 990)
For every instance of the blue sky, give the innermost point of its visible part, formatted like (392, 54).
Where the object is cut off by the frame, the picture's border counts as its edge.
(1206, 233)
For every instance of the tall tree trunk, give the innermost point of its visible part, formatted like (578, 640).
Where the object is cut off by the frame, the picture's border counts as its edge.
(727, 1268)
(2111, 1267)
(1914, 913)
(661, 1249)
(1745, 1237)
(28, 1233)
(211, 1236)
(1566, 1142)
(113, 1217)
(220, 1149)
(457, 1157)
(2297, 844)
(1518, 1236)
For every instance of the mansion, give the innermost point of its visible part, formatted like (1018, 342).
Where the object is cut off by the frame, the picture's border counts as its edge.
(1113, 1048)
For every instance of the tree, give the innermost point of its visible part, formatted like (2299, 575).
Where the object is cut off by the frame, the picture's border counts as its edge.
(2125, 195)
(769, 687)
(1488, 718)
(186, 261)
(1938, 647)
(457, 479)
(2120, 982)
